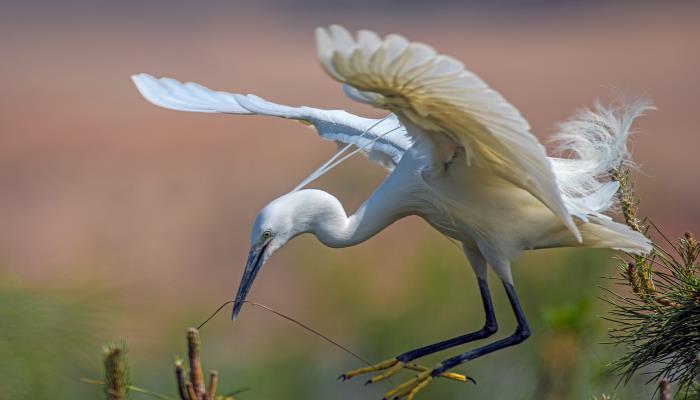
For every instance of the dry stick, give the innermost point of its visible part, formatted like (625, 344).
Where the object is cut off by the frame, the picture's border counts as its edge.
(180, 376)
(194, 389)
(190, 391)
(308, 328)
(196, 375)
(221, 307)
(213, 381)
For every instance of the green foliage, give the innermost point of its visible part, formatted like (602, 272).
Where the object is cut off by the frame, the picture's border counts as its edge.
(661, 328)
(47, 341)
(657, 317)
(571, 317)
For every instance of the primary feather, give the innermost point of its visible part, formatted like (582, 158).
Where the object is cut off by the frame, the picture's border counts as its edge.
(436, 98)
(379, 139)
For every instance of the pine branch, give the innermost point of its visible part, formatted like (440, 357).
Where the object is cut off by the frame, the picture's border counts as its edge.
(195, 388)
(658, 318)
(116, 385)
(190, 386)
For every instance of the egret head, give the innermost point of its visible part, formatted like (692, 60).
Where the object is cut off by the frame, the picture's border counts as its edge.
(276, 224)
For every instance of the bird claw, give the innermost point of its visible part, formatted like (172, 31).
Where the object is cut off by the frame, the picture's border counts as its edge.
(389, 365)
(409, 388)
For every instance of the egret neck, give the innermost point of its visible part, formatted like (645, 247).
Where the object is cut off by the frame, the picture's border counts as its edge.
(314, 211)
(334, 228)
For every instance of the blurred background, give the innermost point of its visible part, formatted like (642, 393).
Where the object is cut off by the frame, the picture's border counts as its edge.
(123, 221)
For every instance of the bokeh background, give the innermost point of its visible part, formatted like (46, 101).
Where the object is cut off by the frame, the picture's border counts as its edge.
(123, 221)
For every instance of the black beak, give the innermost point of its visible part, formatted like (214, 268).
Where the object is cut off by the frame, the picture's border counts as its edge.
(255, 261)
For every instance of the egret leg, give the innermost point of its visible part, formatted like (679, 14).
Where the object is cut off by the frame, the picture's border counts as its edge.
(403, 361)
(522, 332)
(410, 388)
(490, 327)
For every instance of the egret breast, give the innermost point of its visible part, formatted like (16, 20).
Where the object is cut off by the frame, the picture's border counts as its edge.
(477, 207)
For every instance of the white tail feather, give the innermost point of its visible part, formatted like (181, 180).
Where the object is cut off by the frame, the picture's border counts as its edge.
(594, 142)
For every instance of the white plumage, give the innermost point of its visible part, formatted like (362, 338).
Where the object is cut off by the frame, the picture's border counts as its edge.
(444, 104)
(594, 142)
(335, 125)
(459, 156)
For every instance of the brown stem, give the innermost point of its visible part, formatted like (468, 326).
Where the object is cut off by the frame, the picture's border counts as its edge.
(116, 384)
(633, 277)
(664, 389)
(190, 391)
(196, 375)
(180, 377)
(213, 382)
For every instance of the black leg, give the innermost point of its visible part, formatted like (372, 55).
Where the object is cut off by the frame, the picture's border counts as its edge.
(490, 327)
(521, 333)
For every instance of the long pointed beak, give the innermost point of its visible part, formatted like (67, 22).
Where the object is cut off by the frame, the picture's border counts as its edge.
(255, 261)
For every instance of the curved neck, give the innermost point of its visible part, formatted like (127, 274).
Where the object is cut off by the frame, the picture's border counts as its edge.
(334, 228)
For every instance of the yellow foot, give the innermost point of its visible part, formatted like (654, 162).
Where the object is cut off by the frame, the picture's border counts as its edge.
(411, 388)
(392, 366)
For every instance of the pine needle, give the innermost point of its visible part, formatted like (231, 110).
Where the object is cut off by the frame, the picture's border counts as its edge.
(658, 317)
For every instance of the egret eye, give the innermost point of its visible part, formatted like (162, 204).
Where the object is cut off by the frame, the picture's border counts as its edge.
(267, 234)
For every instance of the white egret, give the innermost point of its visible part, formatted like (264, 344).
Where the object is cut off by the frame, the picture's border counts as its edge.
(459, 156)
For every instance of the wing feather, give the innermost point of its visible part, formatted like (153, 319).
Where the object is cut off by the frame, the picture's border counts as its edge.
(440, 97)
(339, 126)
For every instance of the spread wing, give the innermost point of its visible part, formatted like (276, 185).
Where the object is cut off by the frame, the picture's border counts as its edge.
(369, 135)
(437, 98)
